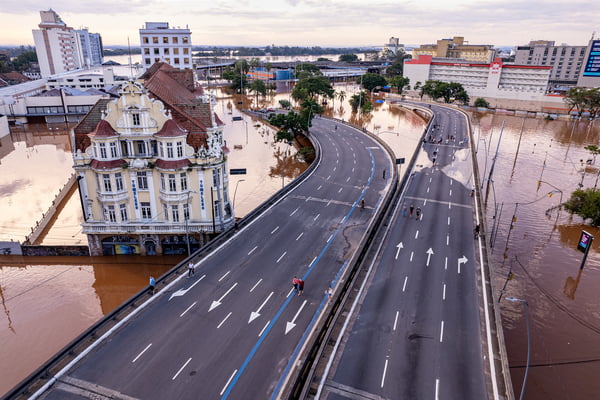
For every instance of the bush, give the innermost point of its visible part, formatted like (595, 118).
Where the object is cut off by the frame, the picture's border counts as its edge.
(481, 102)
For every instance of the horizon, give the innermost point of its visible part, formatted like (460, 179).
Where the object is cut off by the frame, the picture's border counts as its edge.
(309, 23)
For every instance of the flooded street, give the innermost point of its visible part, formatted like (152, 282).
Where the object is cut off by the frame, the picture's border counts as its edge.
(540, 249)
(47, 302)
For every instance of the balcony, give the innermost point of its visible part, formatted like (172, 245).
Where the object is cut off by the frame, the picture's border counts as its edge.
(121, 195)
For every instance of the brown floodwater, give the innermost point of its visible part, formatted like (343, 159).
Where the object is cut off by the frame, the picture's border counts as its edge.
(540, 249)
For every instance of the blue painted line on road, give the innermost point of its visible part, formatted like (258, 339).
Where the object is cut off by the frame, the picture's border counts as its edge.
(289, 299)
(306, 332)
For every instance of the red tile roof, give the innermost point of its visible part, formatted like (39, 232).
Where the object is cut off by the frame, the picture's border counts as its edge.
(103, 129)
(170, 164)
(88, 124)
(97, 164)
(170, 129)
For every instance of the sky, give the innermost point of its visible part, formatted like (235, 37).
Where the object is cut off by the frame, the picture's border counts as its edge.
(325, 23)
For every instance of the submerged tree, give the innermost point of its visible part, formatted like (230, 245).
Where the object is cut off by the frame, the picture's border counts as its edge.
(586, 204)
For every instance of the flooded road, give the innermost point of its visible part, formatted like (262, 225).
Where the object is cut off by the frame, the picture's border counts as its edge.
(540, 249)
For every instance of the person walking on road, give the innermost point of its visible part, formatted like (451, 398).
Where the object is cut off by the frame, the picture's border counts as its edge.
(191, 269)
(295, 283)
(418, 213)
(152, 284)
(362, 204)
(412, 208)
(404, 211)
(300, 286)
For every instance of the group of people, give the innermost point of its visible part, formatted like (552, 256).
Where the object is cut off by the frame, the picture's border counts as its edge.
(412, 210)
(298, 285)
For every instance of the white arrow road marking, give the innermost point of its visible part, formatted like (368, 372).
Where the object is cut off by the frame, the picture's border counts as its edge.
(217, 303)
(256, 314)
(399, 246)
(181, 292)
(429, 253)
(462, 260)
(291, 324)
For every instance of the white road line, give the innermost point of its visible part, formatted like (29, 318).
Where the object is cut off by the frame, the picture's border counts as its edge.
(437, 389)
(412, 253)
(352, 169)
(448, 220)
(275, 230)
(446, 263)
(313, 261)
(315, 218)
(384, 372)
(252, 251)
(427, 189)
(405, 281)
(425, 202)
(347, 179)
(449, 205)
(459, 268)
(450, 182)
(444, 292)
(334, 168)
(300, 235)
(430, 178)
(396, 320)
(343, 220)
(442, 332)
(290, 292)
(142, 352)
(328, 178)
(255, 285)
(328, 203)
(447, 240)
(228, 382)
(187, 309)
(340, 191)
(294, 212)
(330, 237)
(450, 192)
(307, 199)
(416, 234)
(223, 277)
(263, 329)
(320, 186)
(225, 319)
(181, 369)
(281, 256)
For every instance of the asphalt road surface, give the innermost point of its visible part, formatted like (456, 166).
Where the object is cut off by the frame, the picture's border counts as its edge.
(234, 328)
(416, 333)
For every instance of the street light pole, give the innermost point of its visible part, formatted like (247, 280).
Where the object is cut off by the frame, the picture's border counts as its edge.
(187, 217)
(525, 310)
(235, 192)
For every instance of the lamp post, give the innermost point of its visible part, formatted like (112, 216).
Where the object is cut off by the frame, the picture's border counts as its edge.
(187, 217)
(235, 192)
(246, 122)
(525, 310)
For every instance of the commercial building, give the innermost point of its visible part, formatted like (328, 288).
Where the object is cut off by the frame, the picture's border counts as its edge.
(91, 47)
(159, 43)
(497, 82)
(590, 70)
(456, 48)
(152, 168)
(60, 48)
(565, 61)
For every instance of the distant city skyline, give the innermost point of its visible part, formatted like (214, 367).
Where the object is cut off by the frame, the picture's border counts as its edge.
(325, 23)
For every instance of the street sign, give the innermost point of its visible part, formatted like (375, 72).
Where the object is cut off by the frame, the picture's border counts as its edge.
(399, 160)
(585, 241)
(237, 171)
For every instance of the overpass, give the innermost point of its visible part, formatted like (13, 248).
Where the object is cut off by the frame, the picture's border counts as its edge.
(236, 329)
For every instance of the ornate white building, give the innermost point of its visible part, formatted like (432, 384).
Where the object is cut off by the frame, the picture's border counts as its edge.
(152, 172)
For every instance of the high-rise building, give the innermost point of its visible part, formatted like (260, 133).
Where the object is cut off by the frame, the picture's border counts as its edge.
(457, 48)
(159, 43)
(152, 168)
(91, 47)
(57, 45)
(61, 48)
(566, 61)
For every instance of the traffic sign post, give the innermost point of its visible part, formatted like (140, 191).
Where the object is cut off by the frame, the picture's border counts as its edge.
(400, 161)
(585, 242)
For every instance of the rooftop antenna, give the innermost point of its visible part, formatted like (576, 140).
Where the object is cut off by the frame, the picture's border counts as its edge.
(130, 65)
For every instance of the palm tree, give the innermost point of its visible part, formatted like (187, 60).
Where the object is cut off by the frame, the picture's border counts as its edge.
(341, 95)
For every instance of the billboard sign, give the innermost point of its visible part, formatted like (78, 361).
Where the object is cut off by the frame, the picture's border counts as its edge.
(592, 66)
(585, 241)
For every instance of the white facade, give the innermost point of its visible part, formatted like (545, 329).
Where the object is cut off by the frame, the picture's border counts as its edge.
(488, 80)
(57, 46)
(91, 47)
(566, 61)
(159, 43)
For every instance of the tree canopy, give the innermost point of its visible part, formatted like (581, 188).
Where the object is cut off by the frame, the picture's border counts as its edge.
(348, 58)
(582, 99)
(370, 81)
(359, 102)
(586, 204)
(448, 91)
(311, 87)
(400, 83)
(481, 102)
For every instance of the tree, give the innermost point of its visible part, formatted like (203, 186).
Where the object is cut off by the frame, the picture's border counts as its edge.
(586, 204)
(258, 87)
(370, 81)
(306, 70)
(594, 150)
(341, 96)
(576, 99)
(348, 58)
(285, 104)
(359, 101)
(290, 125)
(311, 87)
(237, 76)
(481, 102)
(400, 83)
(447, 91)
